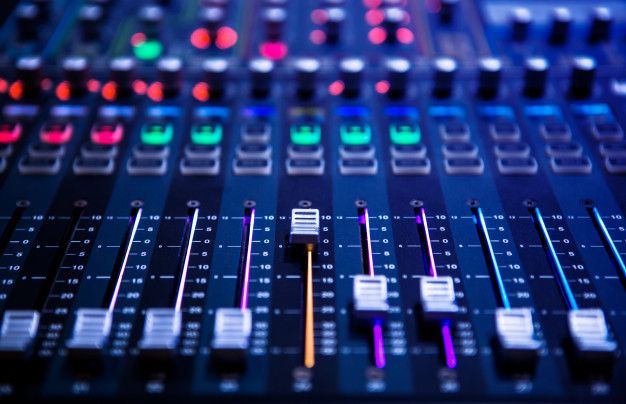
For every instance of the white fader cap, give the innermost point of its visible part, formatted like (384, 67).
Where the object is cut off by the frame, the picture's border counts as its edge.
(305, 226)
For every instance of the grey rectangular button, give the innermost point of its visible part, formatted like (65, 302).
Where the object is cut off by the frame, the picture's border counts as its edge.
(504, 131)
(420, 166)
(93, 166)
(408, 151)
(515, 149)
(615, 165)
(146, 166)
(518, 166)
(365, 151)
(39, 165)
(571, 165)
(564, 149)
(459, 149)
(98, 150)
(143, 150)
(454, 132)
(252, 166)
(253, 151)
(256, 132)
(305, 151)
(202, 151)
(305, 166)
(610, 149)
(358, 166)
(199, 166)
(41, 149)
(464, 166)
(555, 131)
(607, 131)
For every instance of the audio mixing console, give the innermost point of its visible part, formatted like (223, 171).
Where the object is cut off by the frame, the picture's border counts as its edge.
(318, 200)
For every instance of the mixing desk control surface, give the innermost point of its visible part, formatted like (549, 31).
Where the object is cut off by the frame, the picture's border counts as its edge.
(313, 200)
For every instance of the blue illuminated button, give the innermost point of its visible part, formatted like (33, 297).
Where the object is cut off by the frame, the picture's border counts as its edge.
(408, 151)
(305, 134)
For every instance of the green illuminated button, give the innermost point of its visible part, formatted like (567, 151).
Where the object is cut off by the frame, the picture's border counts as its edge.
(404, 133)
(206, 134)
(306, 134)
(148, 50)
(355, 134)
(157, 133)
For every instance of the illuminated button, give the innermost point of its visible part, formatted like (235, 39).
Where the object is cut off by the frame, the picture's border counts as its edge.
(564, 149)
(454, 132)
(202, 151)
(610, 149)
(518, 166)
(404, 133)
(49, 150)
(515, 149)
(90, 150)
(607, 131)
(157, 133)
(10, 132)
(615, 165)
(304, 166)
(464, 166)
(252, 166)
(199, 166)
(93, 166)
(257, 132)
(305, 151)
(504, 131)
(358, 166)
(404, 166)
(555, 131)
(151, 151)
(39, 166)
(253, 150)
(56, 132)
(355, 133)
(571, 165)
(459, 149)
(149, 49)
(306, 134)
(408, 151)
(146, 166)
(206, 134)
(107, 133)
(357, 151)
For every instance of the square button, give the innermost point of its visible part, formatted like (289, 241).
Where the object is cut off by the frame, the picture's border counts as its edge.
(464, 166)
(515, 149)
(56, 132)
(408, 151)
(408, 166)
(146, 166)
(305, 166)
(106, 133)
(404, 133)
(571, 165)
(355, 133)
(454, 131)
(459, 149)
(257, 132)
(555, 131)
(51, 150)
(305, 151)
(252, 166)
(209, 133)
(199, 166)
(157, 133)
(39, 165)
(305, 134)
(504, 131)
(607, 131)
(10, 132)
(564, 149)
(93, 166)
(518, 166)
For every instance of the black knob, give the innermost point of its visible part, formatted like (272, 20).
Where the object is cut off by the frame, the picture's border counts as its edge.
(443, 80)
(170, 71)
(212, 18)
(397, 75)
(601, 23)
(151, 18)
(306, 71)
(29, 70)
(447, 11)
(261, 70)
(274, 20)
(122, 73)
(350, 73)
(215, 75)
(44, 8)
(90, 17)
(520, 23)
(489, 73)
(535, 76)
(582, 77)
(561, 22)
(392, 18)
(76, 73)
(27, 22)
(335, 17)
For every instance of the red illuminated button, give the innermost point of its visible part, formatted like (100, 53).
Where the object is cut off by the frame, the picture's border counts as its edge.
(10, 132)
(56, 132)
(107, 133)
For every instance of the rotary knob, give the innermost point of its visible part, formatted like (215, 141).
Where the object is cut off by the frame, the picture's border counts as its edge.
(561, 22)
(489, 73)
(582, 77)
(170, 71)
(29, 71)
(306, 71)
(215, 75)
(261, 70)
(122, 73)
(601, 23)
(535, 76)
(520, 23)
(443, 80)
(398, 76)
(350, 73)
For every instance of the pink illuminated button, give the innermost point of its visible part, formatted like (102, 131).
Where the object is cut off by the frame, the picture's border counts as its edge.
(10, 132)
(107, 133)
(56, 132)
